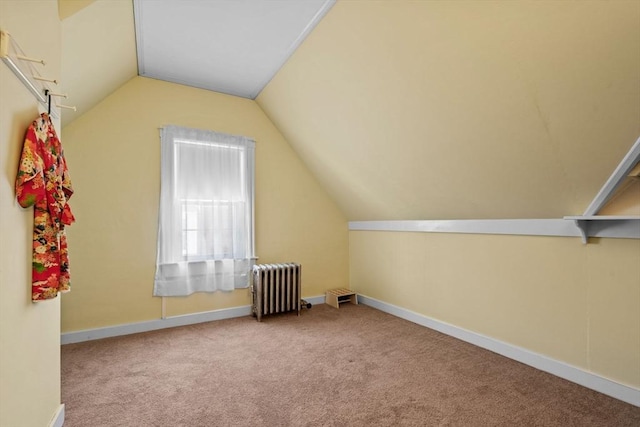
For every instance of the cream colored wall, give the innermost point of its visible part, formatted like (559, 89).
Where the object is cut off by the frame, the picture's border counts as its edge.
(494, 109)
(114, 157)
(626, 201)
(98, 52)
(463, 109)
(67, 8)
(29, 332)
(575, 303)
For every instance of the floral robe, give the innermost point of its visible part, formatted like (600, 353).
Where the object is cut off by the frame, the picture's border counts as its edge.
(43, 182)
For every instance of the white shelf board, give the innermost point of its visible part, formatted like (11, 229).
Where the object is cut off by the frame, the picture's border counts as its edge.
(604, 217)
(622, 226)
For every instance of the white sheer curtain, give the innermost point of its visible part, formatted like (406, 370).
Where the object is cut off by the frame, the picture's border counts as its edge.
(205, 234)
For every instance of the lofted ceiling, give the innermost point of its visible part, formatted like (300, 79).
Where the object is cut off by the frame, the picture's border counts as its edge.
(233, 47)
(401, 109)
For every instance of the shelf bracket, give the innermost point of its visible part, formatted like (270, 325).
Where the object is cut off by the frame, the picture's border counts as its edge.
(583, 226)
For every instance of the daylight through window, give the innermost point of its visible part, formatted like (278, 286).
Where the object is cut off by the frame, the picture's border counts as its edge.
(205, 238)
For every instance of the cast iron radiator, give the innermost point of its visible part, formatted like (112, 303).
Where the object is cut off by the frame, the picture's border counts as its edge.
(276, 289)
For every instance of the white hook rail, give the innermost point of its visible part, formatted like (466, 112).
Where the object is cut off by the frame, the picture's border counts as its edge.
(26, 58)
(23, 67)
(43, 79)
(70, 107)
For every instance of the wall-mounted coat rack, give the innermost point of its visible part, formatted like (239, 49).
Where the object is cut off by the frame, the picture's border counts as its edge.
(23, 67)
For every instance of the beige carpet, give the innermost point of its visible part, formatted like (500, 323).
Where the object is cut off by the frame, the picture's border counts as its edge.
(355, 366)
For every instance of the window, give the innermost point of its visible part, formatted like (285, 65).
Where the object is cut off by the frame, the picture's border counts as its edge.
(205, 235)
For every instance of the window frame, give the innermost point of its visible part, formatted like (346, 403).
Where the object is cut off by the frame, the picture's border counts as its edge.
(173, 252)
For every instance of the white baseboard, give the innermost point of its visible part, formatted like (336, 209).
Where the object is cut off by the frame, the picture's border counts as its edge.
(58, 417)
(571, 373)
(169, 322)
(152, 325)
(315, 300)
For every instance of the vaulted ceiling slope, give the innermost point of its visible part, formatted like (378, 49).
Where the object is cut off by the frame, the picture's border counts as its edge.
(233, 47)
(98, 51)
(466, 109)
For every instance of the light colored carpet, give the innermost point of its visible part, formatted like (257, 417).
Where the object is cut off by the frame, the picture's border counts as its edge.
(355, 366)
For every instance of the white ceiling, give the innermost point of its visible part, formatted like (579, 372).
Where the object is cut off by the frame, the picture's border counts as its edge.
(233, 47)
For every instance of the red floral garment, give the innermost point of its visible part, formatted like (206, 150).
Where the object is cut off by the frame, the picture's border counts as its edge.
(43, 182)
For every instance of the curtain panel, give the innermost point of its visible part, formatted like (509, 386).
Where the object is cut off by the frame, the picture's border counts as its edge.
(206, 225)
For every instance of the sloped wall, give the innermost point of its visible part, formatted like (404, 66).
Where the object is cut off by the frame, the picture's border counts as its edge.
(445, 110)
(114, 156)
(463, 109)
(67, 8)
(99, 51)
(29, 332)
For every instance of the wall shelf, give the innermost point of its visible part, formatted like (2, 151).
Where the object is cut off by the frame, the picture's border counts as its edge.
(616, 226)
(591, 224)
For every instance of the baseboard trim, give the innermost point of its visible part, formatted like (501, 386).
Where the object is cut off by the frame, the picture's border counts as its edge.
(153, 325)
(169, 322)
(560, 369)
(571, 373)
(58, 417)
(315, 300)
